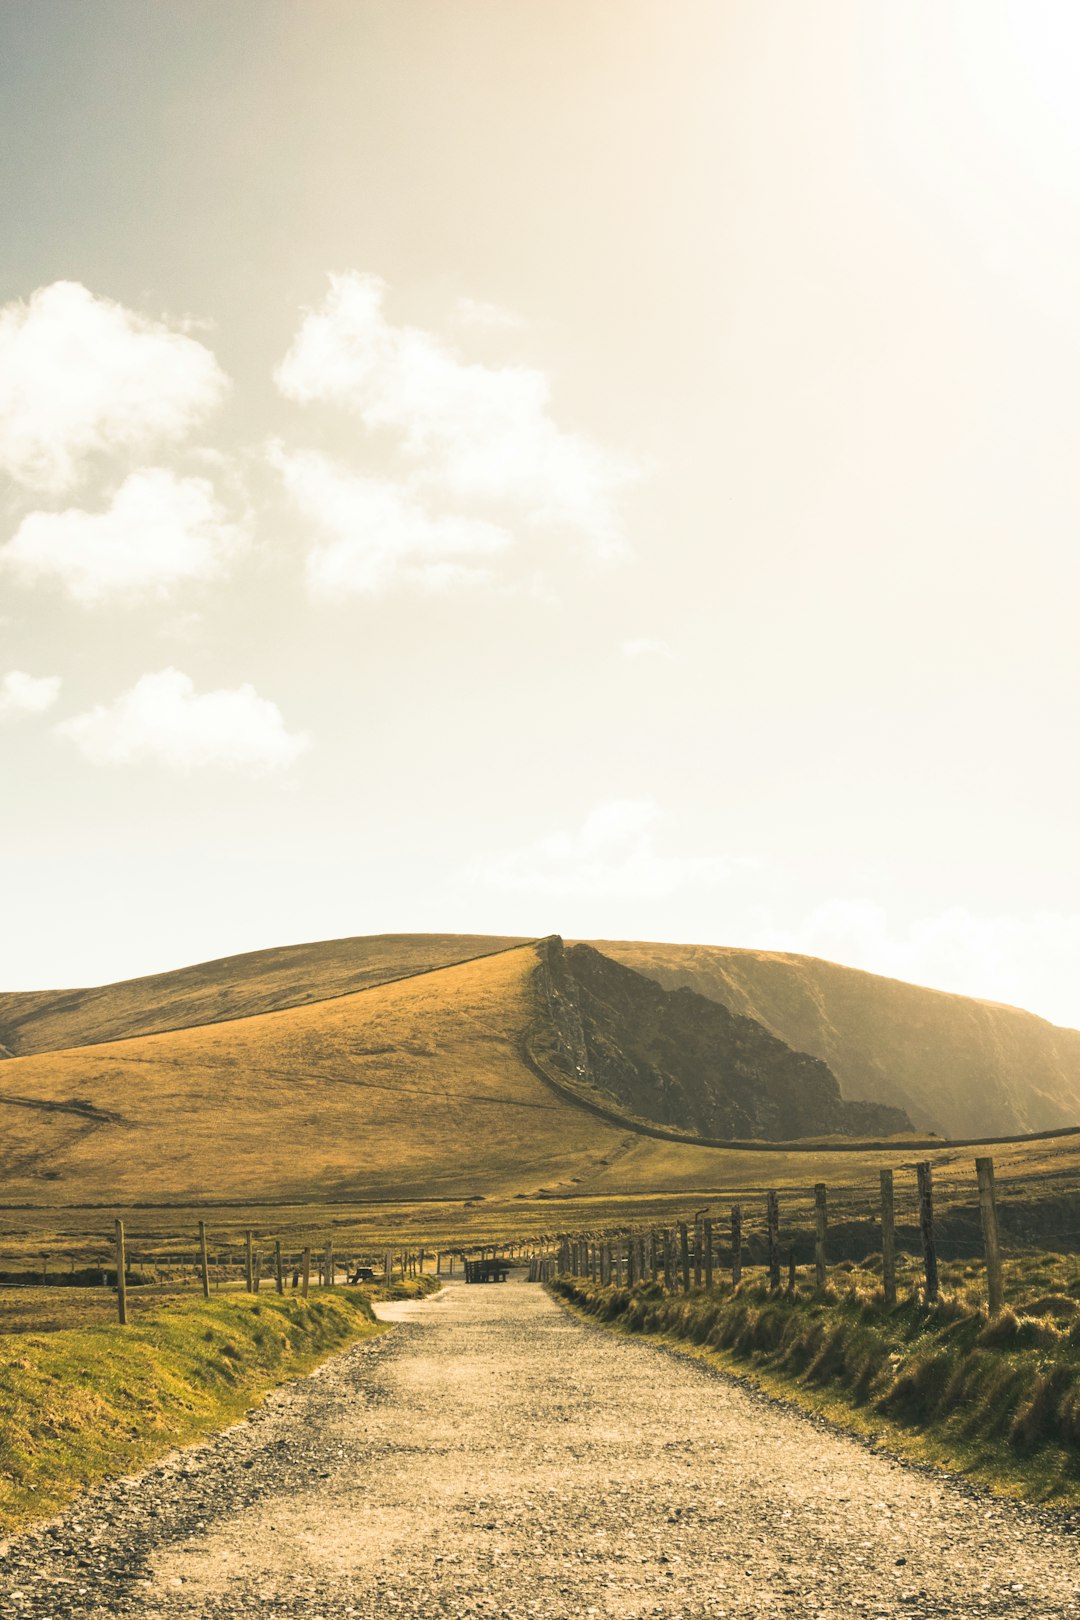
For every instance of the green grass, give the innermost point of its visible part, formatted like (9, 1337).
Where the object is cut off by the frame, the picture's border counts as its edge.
(997, 1399)
(87, 1402)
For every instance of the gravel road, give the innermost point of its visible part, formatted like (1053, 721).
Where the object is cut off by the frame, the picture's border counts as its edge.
(493, 1456)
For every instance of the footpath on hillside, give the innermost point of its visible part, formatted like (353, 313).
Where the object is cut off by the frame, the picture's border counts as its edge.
(494, 1456)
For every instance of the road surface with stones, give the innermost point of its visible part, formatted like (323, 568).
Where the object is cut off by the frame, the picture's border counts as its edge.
(494, 1456)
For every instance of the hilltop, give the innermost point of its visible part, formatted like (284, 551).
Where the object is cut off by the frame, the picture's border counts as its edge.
(229, 987)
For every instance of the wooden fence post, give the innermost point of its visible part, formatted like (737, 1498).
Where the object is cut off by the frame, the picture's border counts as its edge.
(736, 1245)
(305, 1273)
(773, 1234)
(684, 1256)
(707, 1233)
(204, 1263)
(249, 1275)
(984, 1169)
(821, 1223)
(926, 1225)
(279, 1275)
(888, 1240)
(330, 1265)
(121, 1273)
(669, 1262)
(698, 1270)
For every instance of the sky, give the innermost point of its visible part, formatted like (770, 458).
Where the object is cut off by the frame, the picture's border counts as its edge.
(583, 466)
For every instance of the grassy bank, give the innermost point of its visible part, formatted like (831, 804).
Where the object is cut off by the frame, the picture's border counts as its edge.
(82, 1403)
(996, 1399)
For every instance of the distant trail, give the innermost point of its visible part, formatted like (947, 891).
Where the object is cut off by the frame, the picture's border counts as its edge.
(496, 1457)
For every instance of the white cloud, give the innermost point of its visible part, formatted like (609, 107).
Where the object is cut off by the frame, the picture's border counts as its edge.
(475, 312)
(646, 647)
(81, 376)
(1028, 961)
(611, 855)
(374, 534)
(162, 719)
(159, 531)
(473, 432)
(22, 694)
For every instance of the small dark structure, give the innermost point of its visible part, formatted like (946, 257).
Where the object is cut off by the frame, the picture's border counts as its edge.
(362, 1274)
(484, 1271)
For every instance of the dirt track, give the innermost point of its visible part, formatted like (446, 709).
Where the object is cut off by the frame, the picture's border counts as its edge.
(495, 1457)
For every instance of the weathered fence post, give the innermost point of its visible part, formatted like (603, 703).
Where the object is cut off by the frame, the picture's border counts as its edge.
(821, 1225)
(926, 1225)
(669, 1262)
(330, 1265)
(121, 1273)
(773, 1235)
(249, 1274)
(204, 1263)
(279, 1275)
(736, 1245)
(698, 1271)
(707, 1232)
(984, 1169)
(888, 1240)
(684, 1256)
(305, 1273)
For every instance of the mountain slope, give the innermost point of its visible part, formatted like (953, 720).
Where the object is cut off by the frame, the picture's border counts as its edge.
(958, 1066)
(413, 1089)
(230, 987)
(680, 1059)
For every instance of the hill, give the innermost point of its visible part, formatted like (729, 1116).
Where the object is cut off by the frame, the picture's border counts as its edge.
(954, 1065)
(418, 1088)
(957, 1066)
(230, 987)
(415, 1088)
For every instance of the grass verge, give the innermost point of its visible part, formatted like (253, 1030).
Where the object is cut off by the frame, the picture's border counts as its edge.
(84, 1403)
(997, 1400)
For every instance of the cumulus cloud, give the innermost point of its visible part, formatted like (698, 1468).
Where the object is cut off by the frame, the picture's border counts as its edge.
(373, 534)
(159, 531)
(1028, 961)
(82, 376)
(22, 694)
(613, 854)
(164, 721)
(471, 432)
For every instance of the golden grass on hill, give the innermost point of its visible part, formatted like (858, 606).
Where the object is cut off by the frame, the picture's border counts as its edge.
(408, 1092)
(231, 987)
(959, 1066)
(411, 1089)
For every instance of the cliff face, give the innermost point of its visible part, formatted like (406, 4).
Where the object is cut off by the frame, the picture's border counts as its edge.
(681, 1060)
(957, 1066)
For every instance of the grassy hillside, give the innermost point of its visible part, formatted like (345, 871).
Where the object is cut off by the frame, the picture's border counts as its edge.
(957, 1066)
(415, 1088)
(387, 1114)
(231, 987)
(86, 1403)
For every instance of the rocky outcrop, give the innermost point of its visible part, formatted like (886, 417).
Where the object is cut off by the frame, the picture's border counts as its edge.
(680, 1060)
